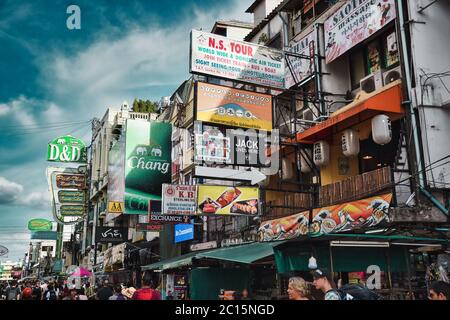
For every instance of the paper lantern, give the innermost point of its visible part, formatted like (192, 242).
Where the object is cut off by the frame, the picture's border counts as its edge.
(381, 129)
(321, 153)
(350, 143)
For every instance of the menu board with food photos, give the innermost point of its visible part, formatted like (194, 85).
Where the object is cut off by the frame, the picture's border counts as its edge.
(227, 200)
(285, 228)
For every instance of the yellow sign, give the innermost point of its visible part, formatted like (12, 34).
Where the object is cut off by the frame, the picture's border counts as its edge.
(227, 200)
(115, 207)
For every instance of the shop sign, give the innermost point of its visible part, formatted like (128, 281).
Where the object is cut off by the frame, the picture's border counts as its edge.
(115, 207)
(184, 232)
(179, 199)
(40, 225)
(354, 22)
(233, 107)
(44, 235)
(71, 181)
(285, 228)
(227, 200)
(203, 246)
(69, 210)
(143, 227)
(148, 163)
(168, 219)
(111, 234)
(298, 69)
(67, 149)
(67, 196)
(223, 57)
(359, 214)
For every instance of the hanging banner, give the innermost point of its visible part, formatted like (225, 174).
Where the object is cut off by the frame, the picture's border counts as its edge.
(179, 199)
(40, 225)
(359, 214)
(223, 57)
(299, 68)
(116, 179)
(227, 200)
(111, 234)
(148, 163)
(285, 228)
(67, 149)
(354, 22)
(67, 196)
(233, 107)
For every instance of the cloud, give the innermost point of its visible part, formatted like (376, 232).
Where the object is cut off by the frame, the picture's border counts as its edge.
(36, 199)
(9, 191)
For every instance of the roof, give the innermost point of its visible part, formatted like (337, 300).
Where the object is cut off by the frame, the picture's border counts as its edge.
(233, 23)
(253, 6)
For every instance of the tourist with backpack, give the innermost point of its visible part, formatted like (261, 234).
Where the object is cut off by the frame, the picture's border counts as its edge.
(324, 282)
(51, 293)
(13, 291)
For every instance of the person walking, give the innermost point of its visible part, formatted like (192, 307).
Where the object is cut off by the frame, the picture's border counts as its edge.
(37, 291)
(27, 292)
(104, 292)
(324, 282)
(298, 289)
(439, 290)
(13, 291)
(117, 293)
(147, 292)
(50, 294)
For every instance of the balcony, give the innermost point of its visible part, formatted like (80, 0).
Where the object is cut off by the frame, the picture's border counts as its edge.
(356, 187)
(289, 203)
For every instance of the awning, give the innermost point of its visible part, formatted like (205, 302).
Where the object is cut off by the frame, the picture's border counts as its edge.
(387, 100)
(172, 263)
(248, 253)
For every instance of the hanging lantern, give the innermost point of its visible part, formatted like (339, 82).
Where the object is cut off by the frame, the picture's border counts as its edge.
(305, 154)
(350, 143)
(312, 263)
(321, 153)
(381, 129)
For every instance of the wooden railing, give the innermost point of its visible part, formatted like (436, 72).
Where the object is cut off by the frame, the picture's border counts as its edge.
(286, 204)
(356, 187)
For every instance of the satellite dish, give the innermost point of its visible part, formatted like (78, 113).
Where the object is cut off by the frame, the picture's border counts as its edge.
(3, 250)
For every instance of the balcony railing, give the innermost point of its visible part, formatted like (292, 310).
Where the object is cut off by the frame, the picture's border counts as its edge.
(288, 204)
(356, 187)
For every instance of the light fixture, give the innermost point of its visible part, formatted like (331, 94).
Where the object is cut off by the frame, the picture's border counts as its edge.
(359, 244)
(416, 244)
(379, 165)
(367, 157)
(376, 231)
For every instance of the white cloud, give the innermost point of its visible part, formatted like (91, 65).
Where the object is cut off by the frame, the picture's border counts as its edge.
(9, 190)
(36, 199)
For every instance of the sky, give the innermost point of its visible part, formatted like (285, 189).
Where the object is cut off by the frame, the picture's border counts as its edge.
(53, 81)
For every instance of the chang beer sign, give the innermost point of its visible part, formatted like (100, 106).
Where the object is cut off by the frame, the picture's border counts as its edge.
(40, 225)
(147, 163)
(67, 149)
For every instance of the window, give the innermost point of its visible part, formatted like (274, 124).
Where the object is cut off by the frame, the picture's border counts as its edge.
(357, 67)
(275, 42)
(221, 31)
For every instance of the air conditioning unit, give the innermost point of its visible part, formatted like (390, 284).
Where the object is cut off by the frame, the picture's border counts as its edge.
(392, 75)
(372, 82)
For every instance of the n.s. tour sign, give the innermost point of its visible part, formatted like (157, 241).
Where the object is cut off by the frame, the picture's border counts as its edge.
(67, 149)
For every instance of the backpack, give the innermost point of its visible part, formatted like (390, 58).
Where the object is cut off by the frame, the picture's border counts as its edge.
(11, 293)
(51, 295)
(357, 292)
(26, 293)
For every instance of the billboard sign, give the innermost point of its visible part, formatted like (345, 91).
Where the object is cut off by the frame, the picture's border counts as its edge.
(147, 163)
(354, 22)
(227, 200)
(203, 246)
(67, 149)
(71, 181)
(223, 57)
(111, 234)
(144, 227)
(167, 218)
(68, 196)
(285, 228)
(233, 107)
(184, 232)
(40, 225)
(299, 68)
(179, 199)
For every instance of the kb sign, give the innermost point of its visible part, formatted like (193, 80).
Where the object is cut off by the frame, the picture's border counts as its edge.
(67, 149)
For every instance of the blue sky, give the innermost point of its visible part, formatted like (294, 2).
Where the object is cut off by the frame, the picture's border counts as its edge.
(54, 80)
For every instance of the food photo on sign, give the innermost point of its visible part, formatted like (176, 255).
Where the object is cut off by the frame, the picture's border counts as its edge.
(227, 200)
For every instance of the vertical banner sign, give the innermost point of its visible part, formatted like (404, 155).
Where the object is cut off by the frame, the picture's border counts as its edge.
(236, 60)
(147, 163)
(300, 68)
(116, 180)
(233, 107)
(179, 199)
(354, 22)
(67, 149)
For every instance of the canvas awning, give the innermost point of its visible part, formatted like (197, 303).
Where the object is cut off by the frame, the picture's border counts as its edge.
(387, 100)
(172, 263)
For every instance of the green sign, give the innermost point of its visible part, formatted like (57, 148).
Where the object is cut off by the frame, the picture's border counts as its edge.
(147, 163)
(67, 210)
(44, 235)
(66, 196)
(67, 149)
(40, 225)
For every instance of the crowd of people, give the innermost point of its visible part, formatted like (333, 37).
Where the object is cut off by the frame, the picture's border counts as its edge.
(57, 290)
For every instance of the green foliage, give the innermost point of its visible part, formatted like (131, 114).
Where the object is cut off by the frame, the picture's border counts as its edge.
(145, 106)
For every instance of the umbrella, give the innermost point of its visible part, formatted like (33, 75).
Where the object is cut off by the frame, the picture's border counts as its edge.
(81, 272)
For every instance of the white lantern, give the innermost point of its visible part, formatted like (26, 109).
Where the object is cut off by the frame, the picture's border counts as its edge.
(321, 153)
(350, 143)
(305, 154)
(381, 129)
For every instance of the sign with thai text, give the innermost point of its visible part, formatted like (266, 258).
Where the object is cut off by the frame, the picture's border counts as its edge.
(179, 199)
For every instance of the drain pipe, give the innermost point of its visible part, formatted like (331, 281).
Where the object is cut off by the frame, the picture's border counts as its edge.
(409, 88)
